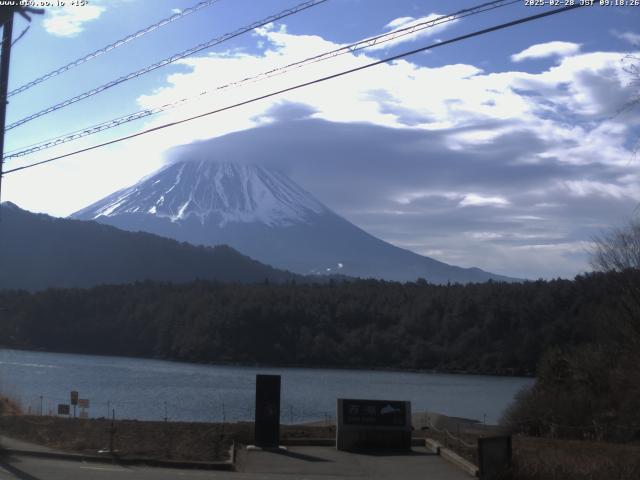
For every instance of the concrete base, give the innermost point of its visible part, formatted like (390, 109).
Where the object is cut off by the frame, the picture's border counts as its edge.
(266, 449)
(383, 439)
(329, 463)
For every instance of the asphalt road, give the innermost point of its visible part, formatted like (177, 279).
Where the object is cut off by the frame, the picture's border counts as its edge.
(308, 463)
(32, 468)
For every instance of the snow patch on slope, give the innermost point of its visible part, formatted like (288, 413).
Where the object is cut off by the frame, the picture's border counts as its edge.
(212, 192)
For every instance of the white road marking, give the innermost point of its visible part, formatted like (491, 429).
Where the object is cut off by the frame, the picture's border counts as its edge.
(104, 469)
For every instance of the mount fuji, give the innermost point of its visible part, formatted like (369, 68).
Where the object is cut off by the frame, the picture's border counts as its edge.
(264, 214)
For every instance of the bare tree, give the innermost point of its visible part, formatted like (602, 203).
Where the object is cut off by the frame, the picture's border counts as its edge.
(632, 68)
(617, 250)
(618, 253)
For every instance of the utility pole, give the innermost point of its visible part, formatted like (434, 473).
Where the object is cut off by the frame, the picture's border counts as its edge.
(5, 60)
(6, 18)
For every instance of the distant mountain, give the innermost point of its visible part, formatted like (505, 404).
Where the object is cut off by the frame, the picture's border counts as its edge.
(38, 251)
(264, 214)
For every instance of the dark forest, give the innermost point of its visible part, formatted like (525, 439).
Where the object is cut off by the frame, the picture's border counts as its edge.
(493, 328)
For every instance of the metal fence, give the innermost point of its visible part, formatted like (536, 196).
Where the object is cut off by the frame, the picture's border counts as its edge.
(219, 412)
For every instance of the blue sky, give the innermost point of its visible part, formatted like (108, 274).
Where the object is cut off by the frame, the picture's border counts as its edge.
(507, 152)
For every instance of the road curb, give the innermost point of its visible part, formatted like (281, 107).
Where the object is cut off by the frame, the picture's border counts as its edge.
(451, 457)
(459, 462)
(432, 446)
(152, 462)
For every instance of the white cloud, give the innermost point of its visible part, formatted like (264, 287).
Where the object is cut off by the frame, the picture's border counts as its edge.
(176, 10)
(68, 21)
(585, 188)
(407, 22)
(575, 247)
(407, 198)
(474, 199)
(630, 37)
(484, 236)
(460, 199)
(544, 50)
(398, 22)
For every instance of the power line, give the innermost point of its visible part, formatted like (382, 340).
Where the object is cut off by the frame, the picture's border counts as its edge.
(385, 37)
(357, 46)
(306, 84)
(168, 60)
(83, 132)
(113, 46)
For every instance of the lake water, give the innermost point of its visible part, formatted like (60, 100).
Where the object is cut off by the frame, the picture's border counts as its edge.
(152, 389)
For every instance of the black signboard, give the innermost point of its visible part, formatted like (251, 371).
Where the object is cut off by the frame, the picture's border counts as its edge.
(63, 409)
(494, 456)
(74, 398)
(374, 413)
(267, 423)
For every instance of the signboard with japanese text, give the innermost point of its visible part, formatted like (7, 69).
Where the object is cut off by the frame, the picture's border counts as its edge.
(374, 412)
(373, 424)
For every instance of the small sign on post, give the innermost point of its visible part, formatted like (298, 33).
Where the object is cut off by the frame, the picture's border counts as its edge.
(74, 401)
(63, 409)
(83, 403)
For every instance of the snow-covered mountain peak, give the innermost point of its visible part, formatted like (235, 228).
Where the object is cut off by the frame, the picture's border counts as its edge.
(210, 191)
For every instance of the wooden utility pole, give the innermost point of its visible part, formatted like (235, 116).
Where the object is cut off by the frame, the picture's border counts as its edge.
(6, 19)
(5, 60)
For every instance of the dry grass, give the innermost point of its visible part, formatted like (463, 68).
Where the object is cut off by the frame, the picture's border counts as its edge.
(550, 459)
(555, 459)
(168, 440)
(9, 407)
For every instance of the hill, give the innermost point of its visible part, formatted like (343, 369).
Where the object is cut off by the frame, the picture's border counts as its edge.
(38, 251)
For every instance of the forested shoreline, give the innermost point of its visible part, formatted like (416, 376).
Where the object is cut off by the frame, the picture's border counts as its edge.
(488, 328)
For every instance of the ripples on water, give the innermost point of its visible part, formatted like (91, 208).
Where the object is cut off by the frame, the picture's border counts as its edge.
(150, 389)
